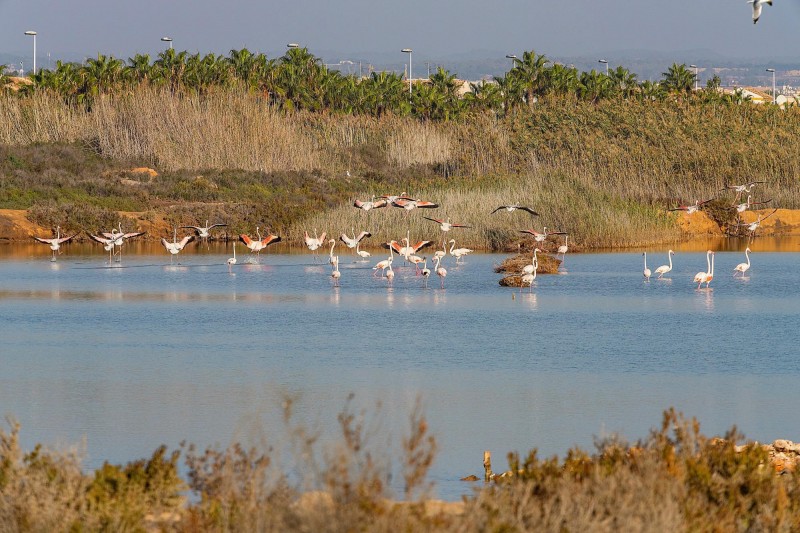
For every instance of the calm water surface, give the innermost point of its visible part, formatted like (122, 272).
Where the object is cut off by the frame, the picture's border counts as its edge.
(145, 353)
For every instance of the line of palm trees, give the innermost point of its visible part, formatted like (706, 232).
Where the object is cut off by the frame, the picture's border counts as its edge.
(300, 81)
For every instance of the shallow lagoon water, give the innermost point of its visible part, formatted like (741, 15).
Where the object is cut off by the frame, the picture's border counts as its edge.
(133, 356)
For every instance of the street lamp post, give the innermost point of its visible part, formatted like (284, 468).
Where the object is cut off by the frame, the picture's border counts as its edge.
(695, 76)
(33, 34)
(512, 57)
(774, 99)
(168, 40)
(605, 62)
(408, 51)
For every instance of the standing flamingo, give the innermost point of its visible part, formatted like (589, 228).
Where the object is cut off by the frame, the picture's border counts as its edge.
(663, 269)
(390, 274)
(564, 248)
(646, 270)
(232, 260)
(440, 270)
(335, 275)
(743, 267)
(315, 242)
(56, 242)
(533, 267)
(256, 246)
(175, 247)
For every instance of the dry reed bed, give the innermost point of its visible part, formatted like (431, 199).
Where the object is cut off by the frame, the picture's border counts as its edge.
(602, 172)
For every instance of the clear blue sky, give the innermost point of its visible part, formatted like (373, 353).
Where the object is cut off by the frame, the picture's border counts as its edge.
(435, 28)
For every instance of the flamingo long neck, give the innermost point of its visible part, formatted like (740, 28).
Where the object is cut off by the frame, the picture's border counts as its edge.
(333, 243)
(711, 273)
(708, 263)
(258, 233)
(747, 254)
(357, 245)
(645, 259)
(58, 232)
(234, 249)
(535, 261)
(452, 245)
(566, 240)
(670, 259)
(175, 235)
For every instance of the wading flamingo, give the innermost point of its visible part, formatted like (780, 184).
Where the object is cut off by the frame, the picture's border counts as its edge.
(383, 265)
(361, 253)
(426, 272)
(56, 242)
(700, 277)
(255, 246)
(119, 238)
(175, 247)
(663, 269)
(440, 270)
(514, 207)
(314, 243)
(646, 270)
(232, 260)
(390, 274)
(108, 245)
(416, 261)
(458, 253)
(332, 259)
(743, 267)
(335, 275)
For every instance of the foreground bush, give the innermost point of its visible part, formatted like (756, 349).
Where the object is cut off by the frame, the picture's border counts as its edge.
(674, 480)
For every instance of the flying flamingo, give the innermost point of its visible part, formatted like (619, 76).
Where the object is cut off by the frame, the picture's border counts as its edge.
(232, 260)
(256, 246)
(646, 270)
(175, 247)
(663, 269)
(56, 242)
(743, 267)
(366, 206)
(409, 248)
(440, 270)
(540, 237)
(514, 207)
(747, 187)
(691, 208)
(315, 242)
(701, 277)
(753, 226)
(409, 205)
(391, 198)
(445, 225)
(204, 232)
(741, 208)
(353, 243)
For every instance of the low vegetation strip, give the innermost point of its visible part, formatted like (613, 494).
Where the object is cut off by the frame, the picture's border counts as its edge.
(676, 479)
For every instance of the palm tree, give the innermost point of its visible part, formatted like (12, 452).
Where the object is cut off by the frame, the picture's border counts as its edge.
(139, 69)
(623, 81)
(385, 92)
(594, 86)
(562, 79)
(170, 67)
(530, 71)
(102, 75)
(650, 91)
(678, 80)
(485, 96)
(510, 90)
